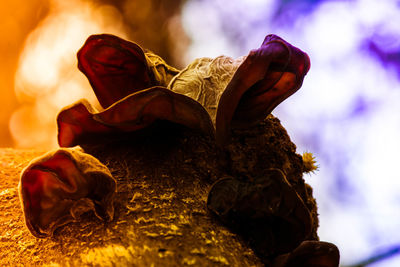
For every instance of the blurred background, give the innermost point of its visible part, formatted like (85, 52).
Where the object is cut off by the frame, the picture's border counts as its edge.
(347, 113)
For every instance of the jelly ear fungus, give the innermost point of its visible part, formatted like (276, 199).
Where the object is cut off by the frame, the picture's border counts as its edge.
(58, 187)
(268, 76)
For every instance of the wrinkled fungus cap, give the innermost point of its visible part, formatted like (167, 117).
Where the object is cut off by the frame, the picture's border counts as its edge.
(132, 86)
(79, 123)
(61, 185)
(268, 76)
(114, 67)
(267, 211)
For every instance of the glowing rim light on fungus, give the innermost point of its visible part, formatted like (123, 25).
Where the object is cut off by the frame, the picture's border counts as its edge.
(47, 78)
(347, 111)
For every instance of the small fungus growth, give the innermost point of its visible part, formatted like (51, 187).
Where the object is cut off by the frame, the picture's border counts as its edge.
(58, 187)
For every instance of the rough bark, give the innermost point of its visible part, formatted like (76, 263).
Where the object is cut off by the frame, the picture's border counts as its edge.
(164, 174)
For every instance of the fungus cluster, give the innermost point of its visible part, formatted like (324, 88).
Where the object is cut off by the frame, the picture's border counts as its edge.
(137, 88)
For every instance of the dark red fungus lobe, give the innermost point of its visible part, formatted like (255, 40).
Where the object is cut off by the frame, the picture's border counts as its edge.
(59, 186)
(115, 67)
(267, 211)
(310, 253)
(268, 75)
(157, 103)
(78, 123)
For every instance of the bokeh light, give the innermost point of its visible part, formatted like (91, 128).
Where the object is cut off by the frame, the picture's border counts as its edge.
(17, 20)
(47, 78)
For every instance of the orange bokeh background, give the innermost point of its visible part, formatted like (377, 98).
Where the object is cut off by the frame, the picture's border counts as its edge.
(18, 18)
(38, 47)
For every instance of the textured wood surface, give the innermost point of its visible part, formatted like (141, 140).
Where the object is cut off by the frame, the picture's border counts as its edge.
(164, 175)
(161, 219)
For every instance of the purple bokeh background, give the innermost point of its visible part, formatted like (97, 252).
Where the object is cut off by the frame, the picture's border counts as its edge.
(347, 112)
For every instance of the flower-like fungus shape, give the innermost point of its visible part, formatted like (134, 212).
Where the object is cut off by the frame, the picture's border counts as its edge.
(59, 186)
(137, 88)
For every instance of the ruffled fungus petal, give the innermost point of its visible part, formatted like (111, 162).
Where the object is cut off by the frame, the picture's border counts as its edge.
(223, 196)
(79, 123)
(267, 76)
(76, 125)
(267, 211)
(156, 103)
(60, 185)
(116, 68)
